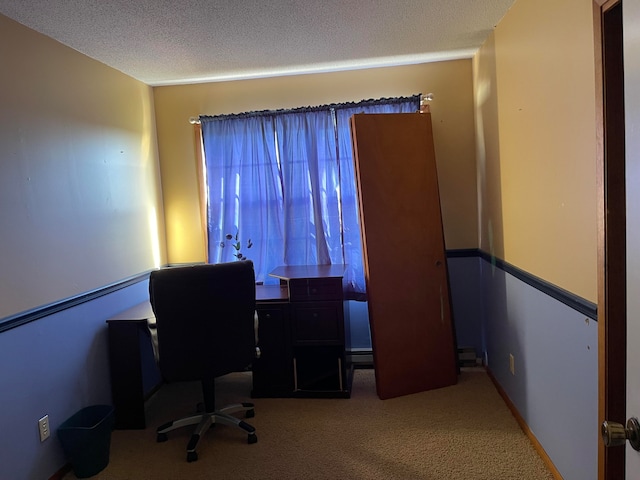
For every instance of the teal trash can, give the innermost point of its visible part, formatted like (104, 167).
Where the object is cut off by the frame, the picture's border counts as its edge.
(86, 439)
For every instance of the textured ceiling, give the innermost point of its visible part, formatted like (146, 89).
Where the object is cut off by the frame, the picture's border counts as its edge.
(164, 42)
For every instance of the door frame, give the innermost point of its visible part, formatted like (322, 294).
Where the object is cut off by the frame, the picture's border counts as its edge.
(610, 160)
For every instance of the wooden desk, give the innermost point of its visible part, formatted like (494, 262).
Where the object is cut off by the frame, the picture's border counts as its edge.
(301, 335)
(135, 375)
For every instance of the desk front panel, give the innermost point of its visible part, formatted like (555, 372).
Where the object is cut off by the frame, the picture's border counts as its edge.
(272, 372)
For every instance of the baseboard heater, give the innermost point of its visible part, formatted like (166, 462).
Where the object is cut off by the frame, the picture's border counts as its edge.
(360, 358)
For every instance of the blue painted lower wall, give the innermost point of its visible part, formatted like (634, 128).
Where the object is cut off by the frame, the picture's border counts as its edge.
(56, 366)
(59, 364)
(465, 285)
(555, 386)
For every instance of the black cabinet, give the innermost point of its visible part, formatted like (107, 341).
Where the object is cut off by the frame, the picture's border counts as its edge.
(319, 371)
(272, 373)
(135, 375)
(317, 323)
(315, 340)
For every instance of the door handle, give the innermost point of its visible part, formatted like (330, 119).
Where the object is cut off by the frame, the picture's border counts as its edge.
(615, 434)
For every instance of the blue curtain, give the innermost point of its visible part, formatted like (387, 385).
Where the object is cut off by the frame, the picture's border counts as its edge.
(281, 187)
(306, 146)
(244, 190)
(350, 215)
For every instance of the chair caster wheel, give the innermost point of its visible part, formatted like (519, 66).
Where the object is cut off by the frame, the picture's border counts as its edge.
(192, 456)
(252, 438)
(161, 437)
(250, 413)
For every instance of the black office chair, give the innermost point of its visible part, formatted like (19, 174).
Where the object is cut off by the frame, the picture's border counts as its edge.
(205, 327)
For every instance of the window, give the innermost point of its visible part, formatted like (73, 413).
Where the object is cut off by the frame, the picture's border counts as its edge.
(284, 181)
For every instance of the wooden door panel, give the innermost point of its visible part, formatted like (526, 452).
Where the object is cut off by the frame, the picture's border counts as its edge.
(404, 256)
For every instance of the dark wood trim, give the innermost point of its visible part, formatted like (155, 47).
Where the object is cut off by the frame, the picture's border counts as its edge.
(583, 306)
(464, 253)
(611, 228)
(579, 304)
(22, 318)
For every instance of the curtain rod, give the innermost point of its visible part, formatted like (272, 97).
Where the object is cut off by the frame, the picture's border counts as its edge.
(424, 98)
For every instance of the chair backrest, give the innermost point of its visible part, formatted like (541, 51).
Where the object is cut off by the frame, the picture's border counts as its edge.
(204, 319)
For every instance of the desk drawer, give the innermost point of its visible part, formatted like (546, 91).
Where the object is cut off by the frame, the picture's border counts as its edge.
(318, 323)
(315, 289)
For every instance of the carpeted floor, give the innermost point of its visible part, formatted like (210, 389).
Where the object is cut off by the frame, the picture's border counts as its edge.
(460, 432)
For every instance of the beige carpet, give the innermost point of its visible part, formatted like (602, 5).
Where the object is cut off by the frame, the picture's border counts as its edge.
(459, 432)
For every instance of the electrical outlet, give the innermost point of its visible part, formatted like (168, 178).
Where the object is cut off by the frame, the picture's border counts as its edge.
(43, 426)
(512, 364)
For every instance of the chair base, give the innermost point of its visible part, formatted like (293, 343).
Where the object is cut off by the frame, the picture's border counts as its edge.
(206, 420)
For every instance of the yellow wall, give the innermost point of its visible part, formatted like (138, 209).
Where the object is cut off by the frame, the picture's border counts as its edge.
(78, 153)
(534, 82)
(452, 110)
(79, 183)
